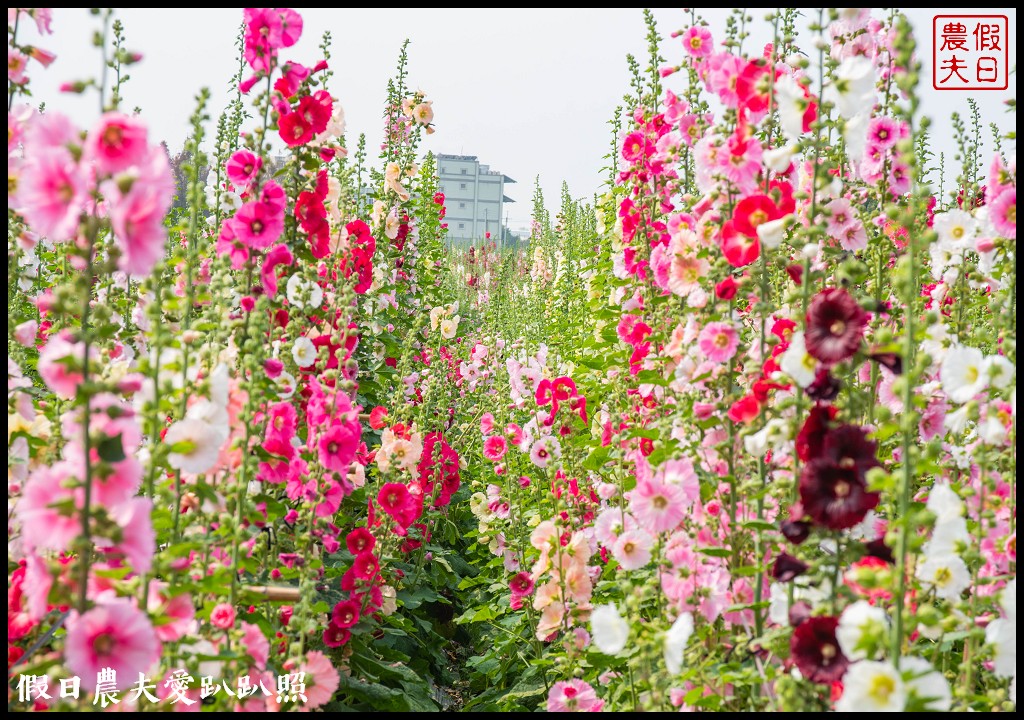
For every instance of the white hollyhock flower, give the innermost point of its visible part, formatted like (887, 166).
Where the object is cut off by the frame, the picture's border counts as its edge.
(778, 607)
(792, 104)
(772, 233)
(304, 352)
(870, 686)
(608, 630)
(449, 327)
(1002, 633)
(778, 159)
(853, 87)
(944, 503)
(949, 537)
(926, 686)
(961, 373)
(955, 229)
(302, 293)
(947, 573)
(675, 642)
(992, 431)
(797, 362)
(956, 421)
(999, 371)
(195, 445)
(860, 625)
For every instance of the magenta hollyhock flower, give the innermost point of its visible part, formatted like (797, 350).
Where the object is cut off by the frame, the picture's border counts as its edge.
(573, 696)
(835, 324)
(335, 636)
(658, 506)
(51, 193)
(835, 496)
(521, 584)
(242, 168)
(495, 448)
(396, 501)
(322, 680)
(223, 616)
(816, 652)
(138, 222)
(117, 142)
(279, 255)
(295, 129)
(697, 41)
(346, 613)
(718, 341)
(360, 540)
(337, 447)
(258, 225)
(43, 523)
(274, 195)
(115, 634)
(366, 566)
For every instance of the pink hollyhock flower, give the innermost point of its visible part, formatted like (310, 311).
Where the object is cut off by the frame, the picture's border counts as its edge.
(223, 616)
(258, 225)
(52, 192)
(1003, 213)
(25, 333)
(541, 452)
(43, 523)
(292, 76)
(255, 643)
(360, 540)
(657, 505)
(274, 195)
(495, 448)
(116, 143)
(337, 446)
(322, 680)
(115, 634)
(718, 341)
(486, 424)
(138, 222)
(281, 420)
(514, 433)
(60, 375)
(280, 255)
(175, 615)
(17, 61)
(242, 168)
(573, 696)
(632, 550)
(396, 501)
(611, 523)
(138, 541)
(697, 41)
(334, 493)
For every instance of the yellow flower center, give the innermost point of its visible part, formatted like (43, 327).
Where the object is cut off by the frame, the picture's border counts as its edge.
(882, 686)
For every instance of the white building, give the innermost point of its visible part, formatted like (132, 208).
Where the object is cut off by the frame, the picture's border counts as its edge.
(474, 197)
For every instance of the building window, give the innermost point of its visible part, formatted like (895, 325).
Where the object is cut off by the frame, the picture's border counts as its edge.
(462, 205)
(462, 226)
(462, 186)
(463, 171)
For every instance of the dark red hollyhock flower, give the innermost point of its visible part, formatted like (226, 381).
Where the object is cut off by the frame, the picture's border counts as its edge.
(787, 567)
(796, 531)
(336, 636)
(878, 549)
(849, 447)
(834, 496)
(346, 613)
(726, 290)
(811, 438)
(816, 652)
(825, 387)
(834, 326)
(890, 361)
(796, 274)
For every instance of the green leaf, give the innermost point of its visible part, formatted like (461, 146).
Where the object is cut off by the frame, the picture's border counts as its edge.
(111, 449)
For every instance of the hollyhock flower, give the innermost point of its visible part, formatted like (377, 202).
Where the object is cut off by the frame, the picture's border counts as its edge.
(377, 417)
(816, 652)
(946, 573)
(835, 324)
(395, 500)
(521, 584)
(786, 567)
(138, 541)
(258, 225)
(718, 341)
(281, 420)
(360, 540)
(322, 679)
(955, 229)
(999, 371)
(573, 696)
(304, 352)
(346, 613)
(117, 142)
(853, 86)
(961, 373)
(609, 631)
(833, 495)
(303, 294)
(115, 634)
(798, 109)
(738, 249)
(52, 193)
(697, 41)
(862, 626)
(926, 687)
(175, 615)
(137, 220)
(541, 452)
(337, 447)
(335, 636)
(675, 642)
(753, 211)
(870, 686)
(1002, 633)
(611, 523)
(60, 375)
(745, 410)
(43, 523)
(495, 448)
(1002, 212)
(280, 255)
(848, 446)
(195, 445)
(242, 168)
(632, 549)
(657, 505)
(223, 616)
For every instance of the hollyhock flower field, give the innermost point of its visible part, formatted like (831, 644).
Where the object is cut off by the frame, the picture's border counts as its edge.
(738, 434)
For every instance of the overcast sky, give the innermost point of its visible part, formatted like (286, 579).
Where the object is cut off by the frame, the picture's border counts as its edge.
(527, 91)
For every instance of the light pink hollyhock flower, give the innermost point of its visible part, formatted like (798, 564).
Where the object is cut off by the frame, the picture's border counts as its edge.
(223, 616)
(681, 474)
(633, 549)
(117, 142)
(1003, 213)
(541, 452)
(486, 424)
(611, 523)
(36, 587)
(321, 680)
(175, 615)
(52, 192)
(242, 168)
(138, 541)
(16, 63)
(573, 696)
(115, 634)
(495, 448)
(255, 643)
(718, 341)
(42, 524)
(25, 333)
(657, 505)
(697, 41)
(137, 217)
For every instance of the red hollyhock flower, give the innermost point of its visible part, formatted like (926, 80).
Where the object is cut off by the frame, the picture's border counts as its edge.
(438, 462)
(396, 501)
(346, 613)
(726, 290)
(752, 211)
(816, 652)
(294, 129)
(753, 86)
(834, 496)
(336, 636)
(360, 540)
(835, 324)
(366, 566)
(739, 249)
(377, 417)
(745, 410)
